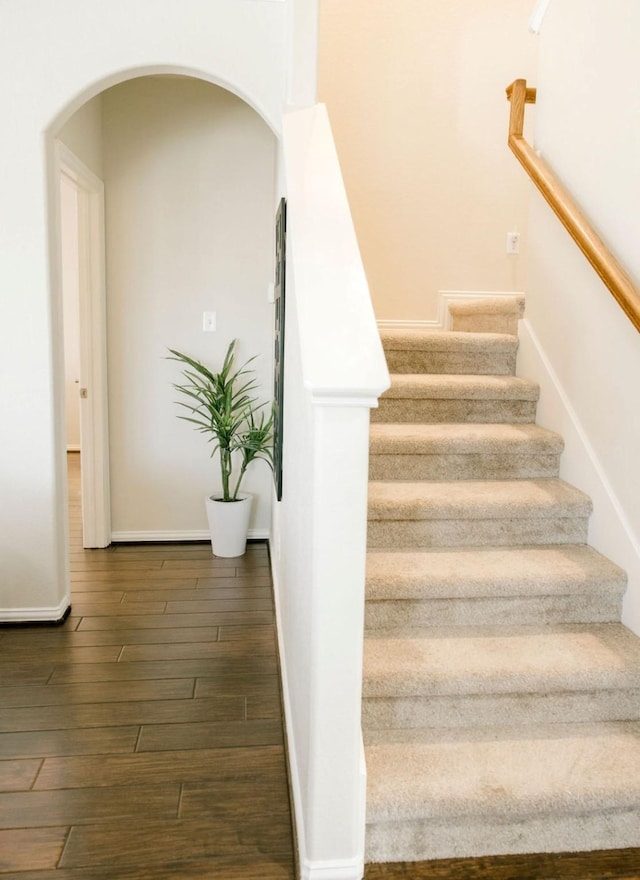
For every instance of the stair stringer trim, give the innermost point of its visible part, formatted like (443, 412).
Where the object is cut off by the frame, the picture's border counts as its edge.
(609, 529)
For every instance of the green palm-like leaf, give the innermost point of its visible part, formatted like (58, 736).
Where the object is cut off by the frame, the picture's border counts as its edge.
(223, 406)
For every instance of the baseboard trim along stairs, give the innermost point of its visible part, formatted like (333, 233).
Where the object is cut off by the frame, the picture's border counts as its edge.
(501, 693)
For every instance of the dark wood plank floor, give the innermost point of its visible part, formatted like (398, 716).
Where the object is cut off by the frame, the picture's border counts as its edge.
(143, 738)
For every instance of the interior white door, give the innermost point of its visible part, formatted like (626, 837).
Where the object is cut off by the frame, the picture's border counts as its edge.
(91, 390)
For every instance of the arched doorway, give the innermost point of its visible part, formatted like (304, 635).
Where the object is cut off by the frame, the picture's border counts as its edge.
(189, 172)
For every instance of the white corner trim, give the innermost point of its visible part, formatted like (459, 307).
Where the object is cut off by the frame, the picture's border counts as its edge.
(537, 16)
(36, 615)
(447, 297)
(141, 537)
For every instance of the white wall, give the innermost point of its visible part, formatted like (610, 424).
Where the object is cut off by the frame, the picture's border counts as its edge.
(334, 371)
(588, 129)
(189, 177)
(82, 133)
(415, 91)
(53, 58)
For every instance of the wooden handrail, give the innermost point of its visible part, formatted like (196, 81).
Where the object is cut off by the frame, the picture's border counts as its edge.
(568, 212)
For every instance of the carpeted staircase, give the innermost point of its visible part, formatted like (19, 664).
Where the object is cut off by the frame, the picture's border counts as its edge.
(501, 708)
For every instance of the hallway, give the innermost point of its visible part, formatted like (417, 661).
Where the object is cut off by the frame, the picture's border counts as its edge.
(143, 738)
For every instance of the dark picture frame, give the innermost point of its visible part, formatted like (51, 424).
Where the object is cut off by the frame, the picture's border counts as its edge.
(278, 367)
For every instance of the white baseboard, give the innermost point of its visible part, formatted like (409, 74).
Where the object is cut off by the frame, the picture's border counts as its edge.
(443, 319)
(333, 870)
(610, 531)
(140, 537)
(36, 615)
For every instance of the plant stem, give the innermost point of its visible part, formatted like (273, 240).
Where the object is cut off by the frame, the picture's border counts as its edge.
(225, 468)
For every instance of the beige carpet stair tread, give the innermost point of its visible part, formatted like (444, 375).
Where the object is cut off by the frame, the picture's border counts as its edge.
(503, 660)
(451, 386)
(481, 499)
(433, 439)
(488, 572)
(586, 768)
(446, 340)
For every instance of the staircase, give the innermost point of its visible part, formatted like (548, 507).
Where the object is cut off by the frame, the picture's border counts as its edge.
(501, 694)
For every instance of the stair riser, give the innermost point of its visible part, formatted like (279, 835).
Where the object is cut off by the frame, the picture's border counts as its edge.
(470, 836)
(508, 611)
(480, 710)
(451, 362)
(474, 466)
(433, 411)
(424, 534)
(480, 323)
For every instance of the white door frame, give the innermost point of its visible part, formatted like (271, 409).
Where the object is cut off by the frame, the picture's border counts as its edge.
(94, 425)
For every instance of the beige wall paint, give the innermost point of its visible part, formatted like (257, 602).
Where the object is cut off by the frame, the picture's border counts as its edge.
(588, 130)
(415, 91)
(189, 177)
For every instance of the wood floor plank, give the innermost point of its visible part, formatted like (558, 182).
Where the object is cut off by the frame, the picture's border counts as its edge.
(237, 683)
(85, 585)
(40, 743)
(45, 639)
(236, 798)
(216, 563)
(206, 583)
(18, 775)
(164, 669)
(22, 673)
(601, 865)
(103, 691)
(148, 842)
(168, 621)
(29, 849)
(203, 735)
(24, 652)
(206, 606)
(102, 608)
(251, 633)
(237, 590)
(109, 562)
(194, 650)
(79, 806)
(245, 866)
(87, 715)
(263, 706)
(146, 768)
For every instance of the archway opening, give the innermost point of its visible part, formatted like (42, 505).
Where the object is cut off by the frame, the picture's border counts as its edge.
(189, 176)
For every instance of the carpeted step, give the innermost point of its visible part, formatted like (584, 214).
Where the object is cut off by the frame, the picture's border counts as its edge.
(545, 789)
(494, 675)
(462, 452)
(451, 398)
(476, 513)
(438, 351)
(472, 586)
(491, 314)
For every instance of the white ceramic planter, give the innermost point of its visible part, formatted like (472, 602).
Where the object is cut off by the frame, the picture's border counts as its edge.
(229, 524)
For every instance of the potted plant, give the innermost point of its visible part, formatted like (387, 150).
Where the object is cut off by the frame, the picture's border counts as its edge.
(222, 406)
